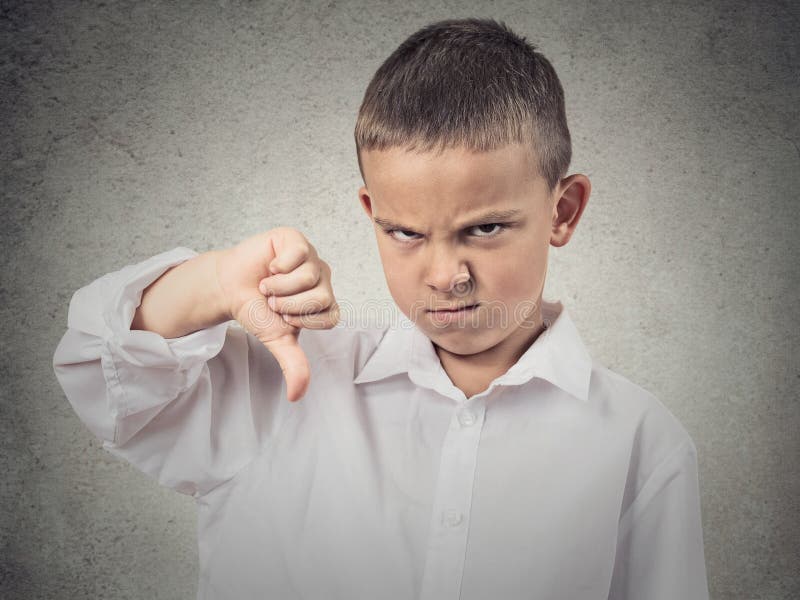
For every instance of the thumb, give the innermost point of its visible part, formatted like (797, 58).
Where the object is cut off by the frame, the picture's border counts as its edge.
(293, 363)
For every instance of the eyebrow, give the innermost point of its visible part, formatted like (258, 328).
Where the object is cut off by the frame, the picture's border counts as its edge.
(493, 216)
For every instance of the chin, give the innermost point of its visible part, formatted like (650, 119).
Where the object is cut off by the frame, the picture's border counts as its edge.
(463, 342)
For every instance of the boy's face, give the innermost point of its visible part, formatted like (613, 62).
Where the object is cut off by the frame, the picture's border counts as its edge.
(438, 217)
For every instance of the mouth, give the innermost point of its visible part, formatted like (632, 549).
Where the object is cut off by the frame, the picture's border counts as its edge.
(453, 310)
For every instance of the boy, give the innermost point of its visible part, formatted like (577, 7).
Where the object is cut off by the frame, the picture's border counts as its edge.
(474, 450)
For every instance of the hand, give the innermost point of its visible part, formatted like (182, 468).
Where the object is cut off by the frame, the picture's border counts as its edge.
(274, 283)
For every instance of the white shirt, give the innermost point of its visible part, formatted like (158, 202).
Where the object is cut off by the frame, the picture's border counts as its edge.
(563, 480)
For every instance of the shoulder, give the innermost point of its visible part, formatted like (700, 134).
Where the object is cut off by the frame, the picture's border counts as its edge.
(622, 400)
(655, 445)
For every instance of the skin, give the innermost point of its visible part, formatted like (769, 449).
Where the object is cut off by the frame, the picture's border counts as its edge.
(274, 283)
(432, 218)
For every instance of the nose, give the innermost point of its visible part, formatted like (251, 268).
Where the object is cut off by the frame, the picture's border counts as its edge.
(445, 270)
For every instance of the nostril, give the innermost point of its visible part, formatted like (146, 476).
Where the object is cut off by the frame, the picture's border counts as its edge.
(463, 288)
(461, 284)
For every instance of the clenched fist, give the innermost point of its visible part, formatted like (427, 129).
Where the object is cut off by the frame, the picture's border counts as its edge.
(274, 283)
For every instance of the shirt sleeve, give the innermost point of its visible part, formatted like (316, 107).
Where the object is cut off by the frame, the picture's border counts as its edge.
(178, 409)
(660, 545)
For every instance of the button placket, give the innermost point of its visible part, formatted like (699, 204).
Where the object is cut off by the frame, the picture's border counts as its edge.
(452, 503)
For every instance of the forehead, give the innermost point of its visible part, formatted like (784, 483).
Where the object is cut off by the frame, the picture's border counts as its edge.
(454, 181)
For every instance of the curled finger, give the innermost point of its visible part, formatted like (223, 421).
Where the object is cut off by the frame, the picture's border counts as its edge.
(325, 319)
(304, 277)
(305, 303)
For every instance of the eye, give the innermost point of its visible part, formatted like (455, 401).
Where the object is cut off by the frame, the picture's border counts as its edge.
(402, 235)
(487, 229)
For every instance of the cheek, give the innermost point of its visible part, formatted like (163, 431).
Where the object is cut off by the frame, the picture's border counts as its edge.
(518, 275)
(399, 274)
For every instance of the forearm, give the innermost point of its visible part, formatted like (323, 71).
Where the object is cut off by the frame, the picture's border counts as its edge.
(185, 299)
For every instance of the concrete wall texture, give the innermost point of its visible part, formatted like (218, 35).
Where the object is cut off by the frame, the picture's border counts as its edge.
(130, 128)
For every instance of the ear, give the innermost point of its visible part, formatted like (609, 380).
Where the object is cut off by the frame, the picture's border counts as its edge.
(366, 201)
(571, 196)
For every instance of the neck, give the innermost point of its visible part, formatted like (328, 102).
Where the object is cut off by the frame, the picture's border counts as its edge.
(472, 373)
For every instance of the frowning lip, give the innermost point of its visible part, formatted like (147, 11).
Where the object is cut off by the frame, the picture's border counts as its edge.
(447, 309)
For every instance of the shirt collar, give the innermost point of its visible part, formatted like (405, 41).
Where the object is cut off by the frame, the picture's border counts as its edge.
(393, 354)
(558, 356)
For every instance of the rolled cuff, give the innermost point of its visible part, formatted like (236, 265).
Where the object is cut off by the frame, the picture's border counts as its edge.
(142, 369)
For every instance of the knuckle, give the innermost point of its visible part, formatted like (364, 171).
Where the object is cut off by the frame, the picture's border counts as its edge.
(293, 231)
(316, 270)
(282, 230)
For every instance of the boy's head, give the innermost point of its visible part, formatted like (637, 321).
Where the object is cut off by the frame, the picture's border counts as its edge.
(467, 83)
(463, 146)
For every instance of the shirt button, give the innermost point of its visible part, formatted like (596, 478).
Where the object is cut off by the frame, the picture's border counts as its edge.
(466, 418)
(452, 517)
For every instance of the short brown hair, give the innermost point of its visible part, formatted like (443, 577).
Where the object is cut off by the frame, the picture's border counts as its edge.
(471, 83)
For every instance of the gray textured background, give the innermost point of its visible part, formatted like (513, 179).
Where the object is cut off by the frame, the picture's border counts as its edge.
(131, 128)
